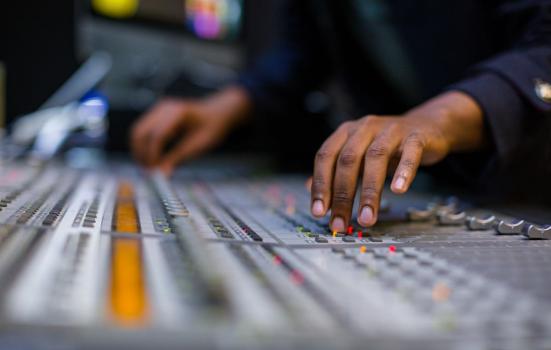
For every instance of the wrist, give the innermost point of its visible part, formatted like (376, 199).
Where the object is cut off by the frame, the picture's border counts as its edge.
(458, 117)
(231, 104)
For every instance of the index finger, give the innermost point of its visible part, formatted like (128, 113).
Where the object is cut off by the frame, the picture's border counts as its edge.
(194, 144)
(139, 137)
(324, 166)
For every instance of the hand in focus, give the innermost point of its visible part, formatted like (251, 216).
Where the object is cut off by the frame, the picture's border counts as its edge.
(370, 147)
(194, 126)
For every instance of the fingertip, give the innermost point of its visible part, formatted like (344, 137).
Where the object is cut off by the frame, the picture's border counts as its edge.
(166, 168)
(399, 185)
(318, 209)
(338, 224)
(367, 216)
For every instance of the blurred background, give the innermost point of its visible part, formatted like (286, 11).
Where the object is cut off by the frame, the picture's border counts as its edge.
(157, 48)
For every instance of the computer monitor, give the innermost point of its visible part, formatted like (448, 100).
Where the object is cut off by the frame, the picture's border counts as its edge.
(213, 20)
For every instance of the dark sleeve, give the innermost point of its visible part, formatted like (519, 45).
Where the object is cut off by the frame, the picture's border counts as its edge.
(506, 86)
(295, 65)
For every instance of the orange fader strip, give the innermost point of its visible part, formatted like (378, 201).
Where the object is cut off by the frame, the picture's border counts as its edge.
(128, 295)
(128, 301)
(126, 217)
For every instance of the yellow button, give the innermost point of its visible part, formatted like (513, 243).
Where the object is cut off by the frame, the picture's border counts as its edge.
(543, 90)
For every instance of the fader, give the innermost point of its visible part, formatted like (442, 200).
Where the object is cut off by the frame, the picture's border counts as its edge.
(217, 257)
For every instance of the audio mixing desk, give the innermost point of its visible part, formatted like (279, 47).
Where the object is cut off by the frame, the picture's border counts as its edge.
(217, 257)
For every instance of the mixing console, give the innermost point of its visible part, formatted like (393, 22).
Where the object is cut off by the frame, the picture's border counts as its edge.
(217, 258)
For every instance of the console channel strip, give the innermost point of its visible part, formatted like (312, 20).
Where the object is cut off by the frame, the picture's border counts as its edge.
(116, 257)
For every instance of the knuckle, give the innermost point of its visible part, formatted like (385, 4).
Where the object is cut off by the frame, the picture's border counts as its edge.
(318, 183)
(377, 151)
(323, 155)
(392, 128)
(408, 164)
(364, 126)
(341, 197)
(415, 139)
(348, 158)
(372, 118)
(369, 193)
(370, 122)
(347, 124)
(345, 127)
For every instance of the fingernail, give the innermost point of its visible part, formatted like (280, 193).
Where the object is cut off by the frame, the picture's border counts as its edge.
(400, 183)
(337, 224)
(317, 208)
(366, 215)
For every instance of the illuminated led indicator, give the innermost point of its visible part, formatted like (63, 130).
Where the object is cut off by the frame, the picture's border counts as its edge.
(392, 248)
(334, 234)
(441, 292)
(290, 210)
(297, 277)
(363, 249)
(350, 230)
(360, 234)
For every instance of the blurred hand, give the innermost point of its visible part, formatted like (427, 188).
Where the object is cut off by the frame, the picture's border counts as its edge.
(374, 145)
(195, 125)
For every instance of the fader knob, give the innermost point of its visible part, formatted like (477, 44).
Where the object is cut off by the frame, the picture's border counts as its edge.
(509, 228)
(537, 232)
(442, 207)
(452, 218)
(419, 215)
(474, 223)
